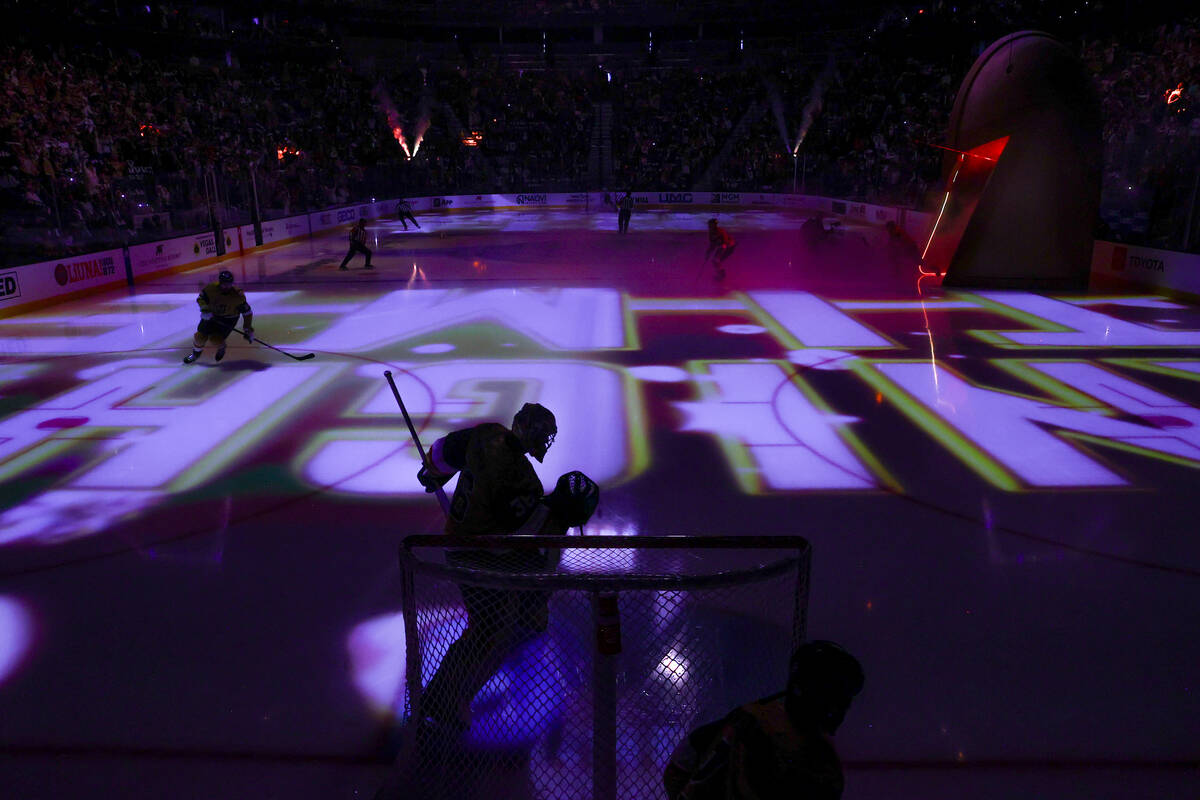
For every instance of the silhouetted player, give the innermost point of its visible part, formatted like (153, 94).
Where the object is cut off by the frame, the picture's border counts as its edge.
(221, 303)
(498, 493)
(777, 747)
(358, 244)
(404, 213)
(624, 212)
(720, 247)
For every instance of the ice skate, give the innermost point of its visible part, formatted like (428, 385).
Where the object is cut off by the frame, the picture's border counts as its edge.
(192, 356)
(220, 353)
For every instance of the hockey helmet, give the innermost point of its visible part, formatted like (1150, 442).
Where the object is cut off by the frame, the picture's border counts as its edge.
(823, 679)
(534, 425)
(574, 498)
(225, 277)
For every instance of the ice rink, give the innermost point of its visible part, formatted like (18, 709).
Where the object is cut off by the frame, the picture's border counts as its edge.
(199, 590)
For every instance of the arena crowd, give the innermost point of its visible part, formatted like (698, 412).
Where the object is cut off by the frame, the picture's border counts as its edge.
(103, 144)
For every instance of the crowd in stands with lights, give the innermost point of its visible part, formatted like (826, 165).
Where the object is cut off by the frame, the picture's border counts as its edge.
(106, 144)
(533, 127)
(849, 132)
(883, 108)
(670, 123)
(97, 142)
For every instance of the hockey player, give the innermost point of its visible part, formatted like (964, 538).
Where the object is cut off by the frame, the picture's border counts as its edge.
(776, 747)
(498, 493)
(625, 212)
(358, 244)
(720, 247)
(220, 305)
(404, 212)
(813, 233)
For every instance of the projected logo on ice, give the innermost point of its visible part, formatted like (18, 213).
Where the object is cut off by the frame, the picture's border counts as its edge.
(798, 393)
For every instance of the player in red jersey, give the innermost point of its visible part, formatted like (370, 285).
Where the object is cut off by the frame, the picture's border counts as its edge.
(720, 247)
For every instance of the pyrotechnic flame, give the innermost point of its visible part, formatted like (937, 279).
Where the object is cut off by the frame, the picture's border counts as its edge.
(410, 144)
(393, 117)
(398, 132)
(1174, 94)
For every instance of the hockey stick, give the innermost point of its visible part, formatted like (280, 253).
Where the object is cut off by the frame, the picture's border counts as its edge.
(304, 357)
(441, 495)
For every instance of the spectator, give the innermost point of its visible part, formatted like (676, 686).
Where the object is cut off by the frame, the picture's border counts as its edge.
(776, 747)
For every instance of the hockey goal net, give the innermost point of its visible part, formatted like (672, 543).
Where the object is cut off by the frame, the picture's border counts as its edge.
(571, 666)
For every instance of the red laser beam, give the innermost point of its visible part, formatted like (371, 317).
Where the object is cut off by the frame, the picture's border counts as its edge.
(970, 153)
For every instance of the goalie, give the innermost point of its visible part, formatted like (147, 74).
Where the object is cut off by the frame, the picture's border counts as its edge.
(498, 492)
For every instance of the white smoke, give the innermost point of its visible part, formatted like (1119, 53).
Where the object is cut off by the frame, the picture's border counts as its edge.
(815, 102)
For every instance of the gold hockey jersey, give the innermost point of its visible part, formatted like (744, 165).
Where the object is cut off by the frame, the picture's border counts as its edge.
(221, 302)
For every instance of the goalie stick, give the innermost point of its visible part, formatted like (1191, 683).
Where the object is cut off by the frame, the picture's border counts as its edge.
(304, 357)
(441, 495)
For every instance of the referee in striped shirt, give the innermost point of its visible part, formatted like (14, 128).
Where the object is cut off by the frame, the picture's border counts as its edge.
(358, 244)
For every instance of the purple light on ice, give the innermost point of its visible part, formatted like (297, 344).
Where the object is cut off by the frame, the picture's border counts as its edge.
(16, 635)
(742, 330)
(659, 374)
(428, 349)
(376, 649)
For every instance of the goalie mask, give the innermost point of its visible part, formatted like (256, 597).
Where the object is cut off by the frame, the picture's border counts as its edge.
(574, 498)
(823, 679)
(225, 278)
(534, 425)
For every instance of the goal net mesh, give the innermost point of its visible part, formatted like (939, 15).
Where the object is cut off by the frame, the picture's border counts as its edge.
(519, 684)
